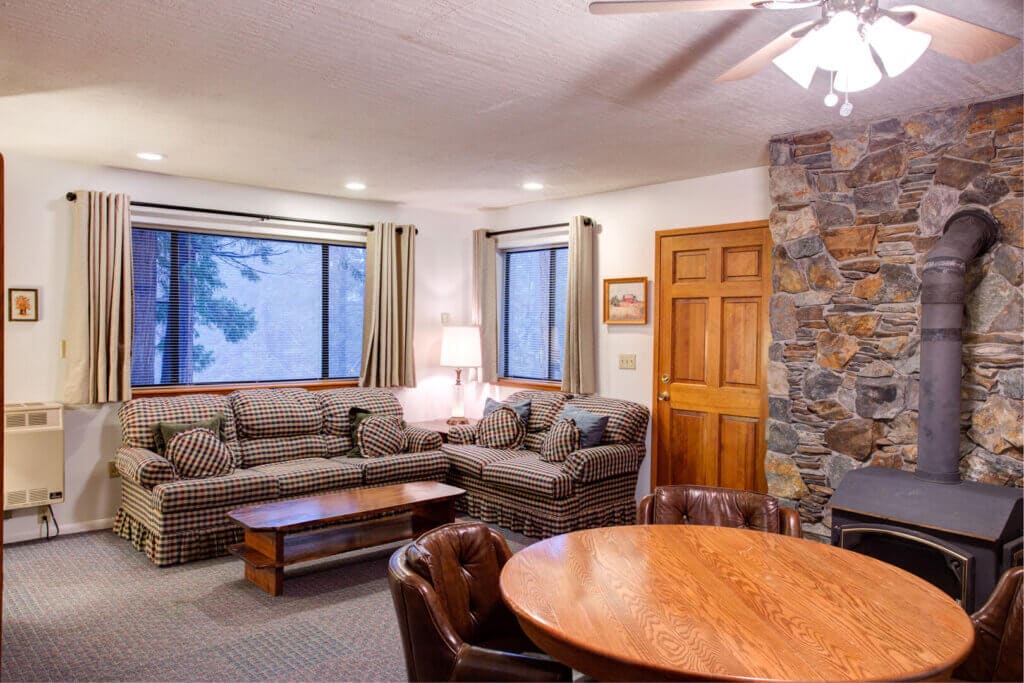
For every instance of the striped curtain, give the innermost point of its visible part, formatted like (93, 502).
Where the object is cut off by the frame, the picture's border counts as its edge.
(98, 317)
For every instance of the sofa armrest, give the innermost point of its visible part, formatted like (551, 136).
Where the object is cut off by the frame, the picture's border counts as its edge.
(144, 467)
(422, 440)
(462, 435)
(603, 462)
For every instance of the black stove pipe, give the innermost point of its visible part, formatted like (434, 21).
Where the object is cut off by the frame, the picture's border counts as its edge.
(968, 233)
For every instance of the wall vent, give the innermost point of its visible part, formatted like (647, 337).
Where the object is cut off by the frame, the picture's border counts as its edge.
(33, 454)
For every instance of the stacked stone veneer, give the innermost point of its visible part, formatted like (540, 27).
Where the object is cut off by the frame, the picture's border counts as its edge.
(855, 211)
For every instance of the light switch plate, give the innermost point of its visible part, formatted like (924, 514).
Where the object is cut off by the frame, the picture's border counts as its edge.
(627, 361)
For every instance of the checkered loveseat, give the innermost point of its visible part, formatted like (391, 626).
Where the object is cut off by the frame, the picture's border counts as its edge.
(519, 491)
(286, 443)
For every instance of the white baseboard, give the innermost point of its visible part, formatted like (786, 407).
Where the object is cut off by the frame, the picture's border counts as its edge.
(65, 529)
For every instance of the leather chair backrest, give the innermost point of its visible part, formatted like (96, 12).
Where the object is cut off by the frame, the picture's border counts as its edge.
(463, 562)
(715, 507)
(1008, 664)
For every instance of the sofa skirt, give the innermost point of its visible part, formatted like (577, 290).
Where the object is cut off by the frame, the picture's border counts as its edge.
(165, 549)
(601, 503)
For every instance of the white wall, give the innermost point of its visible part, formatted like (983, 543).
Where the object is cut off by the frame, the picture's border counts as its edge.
(38, 224)
(628, 220)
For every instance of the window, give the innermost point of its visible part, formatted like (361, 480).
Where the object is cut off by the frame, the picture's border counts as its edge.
(532, 313)
(224, 309)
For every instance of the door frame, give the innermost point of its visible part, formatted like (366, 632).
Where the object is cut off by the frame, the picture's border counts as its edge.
(655, 346)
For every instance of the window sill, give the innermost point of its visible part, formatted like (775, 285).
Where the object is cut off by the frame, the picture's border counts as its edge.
(150, 392)
(529, 384)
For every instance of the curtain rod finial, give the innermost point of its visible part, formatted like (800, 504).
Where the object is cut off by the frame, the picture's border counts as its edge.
(71, 196)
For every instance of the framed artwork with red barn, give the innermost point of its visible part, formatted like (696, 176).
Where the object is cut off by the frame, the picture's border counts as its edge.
(625, 301)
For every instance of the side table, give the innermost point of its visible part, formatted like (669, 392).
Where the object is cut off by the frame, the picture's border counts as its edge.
(440, 425)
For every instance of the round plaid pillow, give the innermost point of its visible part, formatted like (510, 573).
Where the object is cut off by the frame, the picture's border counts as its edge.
(380, 435)
(562, 439)
(503, 428)
(198, 453)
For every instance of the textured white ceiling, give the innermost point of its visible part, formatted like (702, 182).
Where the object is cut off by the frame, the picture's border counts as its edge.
(450, 103)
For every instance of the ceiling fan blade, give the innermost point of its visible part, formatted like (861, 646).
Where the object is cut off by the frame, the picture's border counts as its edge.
(647, 6)
(763, 57)
(955, 37)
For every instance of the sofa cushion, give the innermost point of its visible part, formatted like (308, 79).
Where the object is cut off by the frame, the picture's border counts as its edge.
(470, 459)
(336, 404)
(627, 421)
(522, 408)
(164, 431)
(263, 451)
(530, 475)
(591, 425)
(312, 475)
(503, 428)
(380, 435)
(404, 467)
(198, 453)
(275, 413)
(238, 488)
(544, 407)
(562, 439)
(139, 415)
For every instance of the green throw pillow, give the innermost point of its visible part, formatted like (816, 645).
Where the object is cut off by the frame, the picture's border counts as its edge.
(163, 431)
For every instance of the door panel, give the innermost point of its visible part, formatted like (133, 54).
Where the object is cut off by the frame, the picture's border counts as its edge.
(711, 351)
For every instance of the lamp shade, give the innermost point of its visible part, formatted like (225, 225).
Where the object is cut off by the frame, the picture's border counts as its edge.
(460, 346)
(898, 46)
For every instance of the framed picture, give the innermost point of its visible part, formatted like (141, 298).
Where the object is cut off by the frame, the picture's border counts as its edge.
(23, 305)
(625, 301)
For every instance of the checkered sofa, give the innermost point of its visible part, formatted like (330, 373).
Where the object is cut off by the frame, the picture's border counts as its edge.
(519, 491)
(286, 443)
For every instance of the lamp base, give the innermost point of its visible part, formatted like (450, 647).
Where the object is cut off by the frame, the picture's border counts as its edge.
(453, 420)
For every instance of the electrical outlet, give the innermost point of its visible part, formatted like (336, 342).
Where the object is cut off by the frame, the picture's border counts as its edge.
(446, 318)
(112, 470)
(627, 361)
(44, 515)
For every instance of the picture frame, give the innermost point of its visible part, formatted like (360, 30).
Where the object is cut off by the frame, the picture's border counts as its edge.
(22, 305)
(625, 301)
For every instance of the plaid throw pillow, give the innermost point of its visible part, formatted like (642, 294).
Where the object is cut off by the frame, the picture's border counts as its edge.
(563, 439)
(198, 453)
(503, 428)
(379, 435)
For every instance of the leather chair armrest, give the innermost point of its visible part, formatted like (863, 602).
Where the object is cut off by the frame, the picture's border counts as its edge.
(989, 624)
(789, 523)
(481, 664)
(143, 467)
(643, 510)
(421, 440)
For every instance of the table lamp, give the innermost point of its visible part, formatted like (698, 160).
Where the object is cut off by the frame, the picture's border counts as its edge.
(460, 348)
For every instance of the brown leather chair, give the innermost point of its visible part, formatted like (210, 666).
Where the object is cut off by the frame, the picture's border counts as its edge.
(998, 634)
(454, 624)
(717, 507)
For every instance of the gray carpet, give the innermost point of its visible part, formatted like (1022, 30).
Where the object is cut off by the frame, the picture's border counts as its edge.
(89, 607)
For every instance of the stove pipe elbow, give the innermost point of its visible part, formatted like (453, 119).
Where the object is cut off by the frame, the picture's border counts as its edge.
(968, 233)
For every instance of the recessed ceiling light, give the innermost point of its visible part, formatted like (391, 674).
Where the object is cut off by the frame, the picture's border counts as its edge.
(150, 156)
(355, 186)
(533, 185)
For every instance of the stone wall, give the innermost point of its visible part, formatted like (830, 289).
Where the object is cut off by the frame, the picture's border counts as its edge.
(855, 211)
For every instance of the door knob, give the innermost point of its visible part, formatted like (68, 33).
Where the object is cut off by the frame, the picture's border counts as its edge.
(663, 396)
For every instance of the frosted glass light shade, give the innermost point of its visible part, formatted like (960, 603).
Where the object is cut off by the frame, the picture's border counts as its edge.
(897, 46)
(800, 61)
(460, 346)
(860, 72)
(837, 41)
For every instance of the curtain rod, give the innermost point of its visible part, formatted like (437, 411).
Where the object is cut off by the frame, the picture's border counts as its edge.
(492, 233)
(71, 196)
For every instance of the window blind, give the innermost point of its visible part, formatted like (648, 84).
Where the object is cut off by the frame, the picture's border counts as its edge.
(532, 316)
(215, 308)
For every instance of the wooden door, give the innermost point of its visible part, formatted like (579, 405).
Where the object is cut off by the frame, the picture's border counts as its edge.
(711, 356)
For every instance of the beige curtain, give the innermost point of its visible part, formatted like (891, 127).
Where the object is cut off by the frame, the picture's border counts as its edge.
(578, 373)
(485, 302)
(389, 307)
(98, 318)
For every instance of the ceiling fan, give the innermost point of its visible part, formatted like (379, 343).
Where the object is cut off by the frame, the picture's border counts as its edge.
(844, 41)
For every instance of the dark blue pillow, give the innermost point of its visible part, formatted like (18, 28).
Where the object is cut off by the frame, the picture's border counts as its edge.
(591, 426)
(522, 409)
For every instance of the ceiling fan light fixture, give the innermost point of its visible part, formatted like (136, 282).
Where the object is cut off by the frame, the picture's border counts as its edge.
(837, 41)
(860, 73)
(896, 45)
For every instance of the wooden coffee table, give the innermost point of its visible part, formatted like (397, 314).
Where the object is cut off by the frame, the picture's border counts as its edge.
(679, 602)
(279, 534)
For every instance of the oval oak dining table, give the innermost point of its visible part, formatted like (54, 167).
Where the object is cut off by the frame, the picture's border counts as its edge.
(671, 602)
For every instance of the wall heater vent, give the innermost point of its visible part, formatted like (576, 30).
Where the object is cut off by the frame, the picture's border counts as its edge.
(33, 454)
